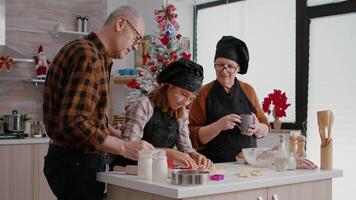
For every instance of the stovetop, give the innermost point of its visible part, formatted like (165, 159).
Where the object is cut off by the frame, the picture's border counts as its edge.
(13, 136)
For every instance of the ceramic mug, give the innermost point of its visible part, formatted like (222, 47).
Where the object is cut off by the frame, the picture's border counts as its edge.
(246, 121)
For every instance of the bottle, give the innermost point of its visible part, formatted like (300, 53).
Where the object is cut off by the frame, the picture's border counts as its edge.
(281, 160)
(79, 23)
(85, 24)
(159, 166)
(292, 161)
(144, 165)
(301, 146)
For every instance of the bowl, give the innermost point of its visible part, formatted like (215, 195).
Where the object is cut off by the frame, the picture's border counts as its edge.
(259, 157)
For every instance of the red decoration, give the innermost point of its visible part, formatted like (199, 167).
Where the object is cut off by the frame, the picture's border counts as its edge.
(178, 36)
(186, 55)
(153, 69)
(279, 100)
(174, 55)
(167, 13)
(133, 84)
(165, 40)
(7, 61)
(42, 64)
(160, 58)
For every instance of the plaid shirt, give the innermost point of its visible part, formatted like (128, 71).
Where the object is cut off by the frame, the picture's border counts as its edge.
(138, 115)
(76, 94)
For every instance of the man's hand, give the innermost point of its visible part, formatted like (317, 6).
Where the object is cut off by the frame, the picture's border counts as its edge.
(115, 131)
(132, 148)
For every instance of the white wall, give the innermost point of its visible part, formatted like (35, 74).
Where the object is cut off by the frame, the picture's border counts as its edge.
(2, 22)
(147, 8)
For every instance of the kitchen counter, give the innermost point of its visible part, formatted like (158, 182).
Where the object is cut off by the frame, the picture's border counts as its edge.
(119, 183)
(28, 140)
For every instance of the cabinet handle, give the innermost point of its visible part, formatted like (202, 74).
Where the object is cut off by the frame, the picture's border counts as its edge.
(259, 198)
(275, 197)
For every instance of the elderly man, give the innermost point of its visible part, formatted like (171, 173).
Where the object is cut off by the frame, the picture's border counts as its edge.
(75, 103)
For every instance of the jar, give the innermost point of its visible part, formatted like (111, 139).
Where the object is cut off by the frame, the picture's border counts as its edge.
(281, 161)
(292, 161)
(144, 165)
(159, 166)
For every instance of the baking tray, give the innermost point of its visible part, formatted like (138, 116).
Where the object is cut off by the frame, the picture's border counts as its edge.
(190, 177)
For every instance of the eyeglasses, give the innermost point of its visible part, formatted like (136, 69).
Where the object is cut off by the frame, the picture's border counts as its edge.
(139, 37)
(229, 68)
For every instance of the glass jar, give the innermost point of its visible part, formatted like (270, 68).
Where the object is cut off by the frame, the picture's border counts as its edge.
(144, 165)
(292, 161)
(159, 166)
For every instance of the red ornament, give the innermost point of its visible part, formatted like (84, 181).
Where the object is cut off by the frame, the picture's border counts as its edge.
(153, 69)
(7, 62)
(133, 84)
(174, 55)
(165, 40)
(178, 36)
(186, 55)
(160, 58)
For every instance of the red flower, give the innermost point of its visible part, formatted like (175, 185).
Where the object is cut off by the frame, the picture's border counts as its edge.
(133, 84)
(279, 100)
(165, 40)
(186, 55)
(178, 36)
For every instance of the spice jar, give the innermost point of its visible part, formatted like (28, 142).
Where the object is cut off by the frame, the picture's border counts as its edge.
(144, 164)
(159, 166)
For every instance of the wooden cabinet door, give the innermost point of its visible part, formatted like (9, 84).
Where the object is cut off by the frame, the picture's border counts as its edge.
(256, 194)
(40, 186)
(316, 190)
(16, 172)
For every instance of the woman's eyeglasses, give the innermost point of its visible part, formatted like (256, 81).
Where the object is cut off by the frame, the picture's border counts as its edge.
(229, 68)
(139, 37)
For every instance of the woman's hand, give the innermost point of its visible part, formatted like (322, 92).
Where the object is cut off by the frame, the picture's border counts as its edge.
(201, 161)
(115, 131)
(228, 122)
(182, 158)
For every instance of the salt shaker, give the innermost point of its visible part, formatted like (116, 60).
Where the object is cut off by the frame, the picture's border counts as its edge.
(159, 166)
(301, 146)
(79, 23)
(144, 164)
(85, 24)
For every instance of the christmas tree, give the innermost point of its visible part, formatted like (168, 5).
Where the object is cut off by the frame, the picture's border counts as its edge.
(166, 47)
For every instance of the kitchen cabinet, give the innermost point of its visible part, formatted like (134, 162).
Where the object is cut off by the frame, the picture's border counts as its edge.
(21, 172)
(41, 189)
(316, 190)
(16, 172)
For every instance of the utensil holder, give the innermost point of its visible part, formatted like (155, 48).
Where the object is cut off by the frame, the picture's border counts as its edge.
(326, 155)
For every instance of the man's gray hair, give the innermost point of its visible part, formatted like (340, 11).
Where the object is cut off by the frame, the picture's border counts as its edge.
(128, 12)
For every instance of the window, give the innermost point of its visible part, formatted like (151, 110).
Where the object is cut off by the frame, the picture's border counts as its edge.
(268, 28)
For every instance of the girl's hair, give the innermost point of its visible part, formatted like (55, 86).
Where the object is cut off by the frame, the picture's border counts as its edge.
(159, 99)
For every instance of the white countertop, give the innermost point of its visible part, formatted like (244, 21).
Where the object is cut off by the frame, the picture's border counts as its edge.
(28, 140)
(231, 183)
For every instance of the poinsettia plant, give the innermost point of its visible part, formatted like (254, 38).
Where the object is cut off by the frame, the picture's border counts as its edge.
(279, 101)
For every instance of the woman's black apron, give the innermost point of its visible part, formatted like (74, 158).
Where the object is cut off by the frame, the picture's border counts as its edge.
(227, 144)
(162, 131)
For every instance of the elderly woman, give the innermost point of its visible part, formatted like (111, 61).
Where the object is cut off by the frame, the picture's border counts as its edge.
(216, 111)
(161, 117)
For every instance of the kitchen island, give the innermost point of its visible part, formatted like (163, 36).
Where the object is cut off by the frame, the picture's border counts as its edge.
(272, 185)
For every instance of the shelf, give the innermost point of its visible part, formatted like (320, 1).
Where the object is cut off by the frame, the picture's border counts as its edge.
(123, 79)
(36, 82)
(68, 35)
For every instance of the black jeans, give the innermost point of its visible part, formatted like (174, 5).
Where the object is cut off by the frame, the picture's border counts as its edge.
(71, 174)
